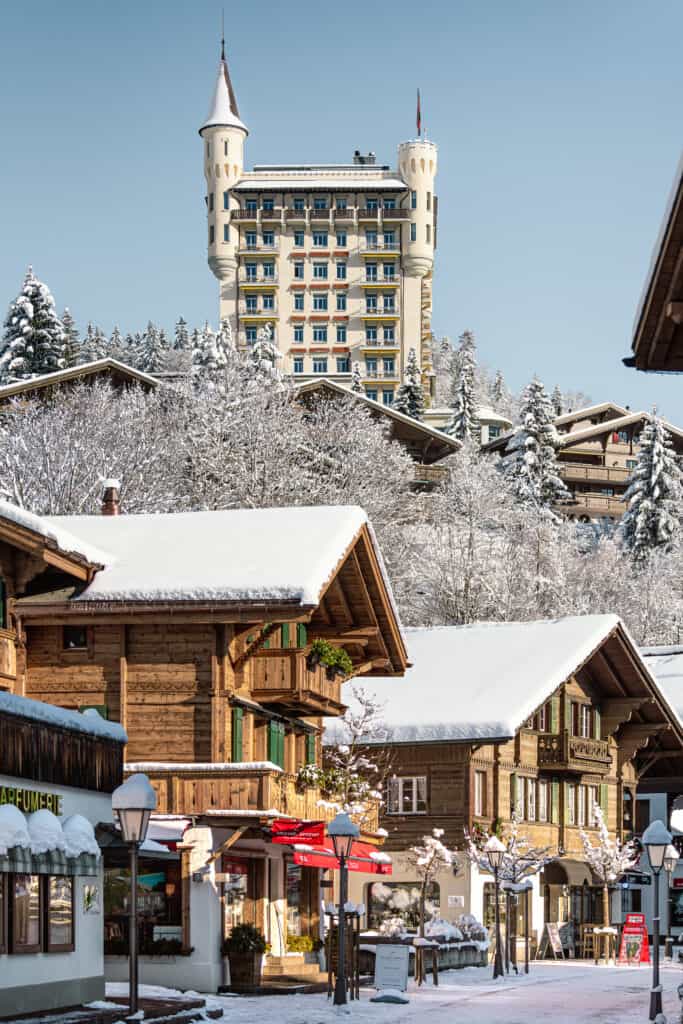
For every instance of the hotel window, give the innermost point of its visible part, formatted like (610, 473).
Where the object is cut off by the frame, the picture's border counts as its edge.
(389, 203)
(581, 807)
(320, 271)
(388, 303)
(371, 203)
(341, 301)
(298, 239)
(212, 235)
(211, 194)
(542, 800)
(268, 302)
(251, 205)
(389, 366)
(389, 332)
(226, 200)
(389, 239)
(299, 300)
(298, 365)
(299, 334)
(407, 795)
(389, 271)
(371, 367)
(60, 914)
(298, 203)
(225, 147)
(413, 232)
(371, 272)
(371, 333)
(226, 232)
(341, 239)
(344, 364)
(341, 334)
(531, 800)
(480, 793)
(268, 204)
(320, 301)
(371, 239)
(268, 239)
(320, 239)
(371, 393)
(320, 203)
(371, 302)
(251, 303)
(74, 638)
(320, 334)
(269, 270)
(340, 202)
(250, 239)
(341, 270)
(571, 803)
(428, 233)
(319, 364)
(26, 914)
(631, 463)
(413, 200)
(250, 271)
(429, 200)
(298, 271)
(387, 397)
(251, 333)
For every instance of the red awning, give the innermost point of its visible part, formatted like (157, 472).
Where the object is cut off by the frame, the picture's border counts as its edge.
(313, 849)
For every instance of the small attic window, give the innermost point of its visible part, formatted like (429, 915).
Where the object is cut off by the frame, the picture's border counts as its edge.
(74, 638)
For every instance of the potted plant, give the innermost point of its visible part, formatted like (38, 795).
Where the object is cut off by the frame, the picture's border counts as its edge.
(334, 659)
(244, 948)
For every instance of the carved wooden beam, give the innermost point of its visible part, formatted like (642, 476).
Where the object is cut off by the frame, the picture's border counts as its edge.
(343, 635)
(255, 645)
(633, 736)
(615, 711)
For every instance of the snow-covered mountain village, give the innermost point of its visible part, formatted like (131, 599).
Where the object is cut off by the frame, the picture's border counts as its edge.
(341, 641)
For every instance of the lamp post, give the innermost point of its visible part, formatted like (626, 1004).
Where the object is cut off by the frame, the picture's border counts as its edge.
(670, 862)
(656, 839)
(133, 803)
(494, 851)
(342, 831)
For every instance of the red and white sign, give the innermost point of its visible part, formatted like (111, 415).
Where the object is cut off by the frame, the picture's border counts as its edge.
(634, 940)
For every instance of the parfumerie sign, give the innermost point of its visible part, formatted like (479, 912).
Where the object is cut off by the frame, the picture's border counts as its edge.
(28, 800)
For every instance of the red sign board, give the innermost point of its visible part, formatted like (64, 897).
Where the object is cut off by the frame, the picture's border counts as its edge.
(634, 945)
(289, 831)
(231, 866)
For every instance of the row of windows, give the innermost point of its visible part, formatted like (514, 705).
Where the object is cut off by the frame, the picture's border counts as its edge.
(387, 396)
(583, 720)
(208, 149)
(321, 334)
(276, 732)
(321, 303)
(320, 364)
(36, 914)
(320, 271)
(323, 203)
(321, 239)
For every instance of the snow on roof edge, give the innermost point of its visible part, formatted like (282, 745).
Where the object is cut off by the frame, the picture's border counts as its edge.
(89, 721)
(64, 540)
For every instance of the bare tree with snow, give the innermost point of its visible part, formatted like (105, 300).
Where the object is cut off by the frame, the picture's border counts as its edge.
(608, 859)
(427, 859)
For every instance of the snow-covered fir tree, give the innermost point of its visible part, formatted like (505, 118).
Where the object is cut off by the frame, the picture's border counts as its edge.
(357, 378)
(153, 349)
(608, 859)
(530, 464)
(94, 345)
(652, 519)
(463, 423)
(498, 390)
(181, 336)
(263, 356)
(117, 345)
(209, 361)
(33, 335)
(72, 339)
(410, 396)
(557, 400)
(226, 340)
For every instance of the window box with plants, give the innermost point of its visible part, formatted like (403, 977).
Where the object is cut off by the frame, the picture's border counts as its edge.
(334, 660)
(244, 949)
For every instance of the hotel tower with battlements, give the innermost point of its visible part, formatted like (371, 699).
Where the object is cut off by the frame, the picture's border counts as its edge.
(337, 258)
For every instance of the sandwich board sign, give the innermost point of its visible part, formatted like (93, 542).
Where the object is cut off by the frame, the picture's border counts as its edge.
(552, 940)
(391, 966)
(634, 946)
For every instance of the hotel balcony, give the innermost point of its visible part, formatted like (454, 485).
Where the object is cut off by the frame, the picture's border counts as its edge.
(380, 282)
(380, 313)
(605, 474)
(242, 338)
(321, 214)
(380, 343)
(254, 248)
(248, 215)
(595, 506)
(343, 214)
(274, 214)
(395, 214)
(257, 280)
(573, 753)
(246, 312)
(292, 214)
(372, 248)
(368, 213)
(386, 375)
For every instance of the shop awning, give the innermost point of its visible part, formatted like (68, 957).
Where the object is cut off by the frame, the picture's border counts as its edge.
(565, 871)
(313, 849)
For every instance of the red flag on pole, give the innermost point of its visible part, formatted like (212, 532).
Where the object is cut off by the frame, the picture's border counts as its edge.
(419, 115)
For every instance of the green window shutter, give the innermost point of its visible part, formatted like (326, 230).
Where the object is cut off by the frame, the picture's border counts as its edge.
(273, 744)
(604, 798)
(284, 634)
(567, 712)
(102, 709)
(301, 635)
(281, 745)
(513, 793)
(237, 749)
(310, 748)
(555, 713)
(598, 724)
(555, 802)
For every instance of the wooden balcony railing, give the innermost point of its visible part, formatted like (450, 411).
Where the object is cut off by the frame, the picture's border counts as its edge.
(574, 753)
(594, 504)
(8, 657)
(615, 474)
(395, 214)
(280, 676)
(430, 474)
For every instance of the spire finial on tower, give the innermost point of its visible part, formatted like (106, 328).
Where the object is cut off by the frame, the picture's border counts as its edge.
(223, 34)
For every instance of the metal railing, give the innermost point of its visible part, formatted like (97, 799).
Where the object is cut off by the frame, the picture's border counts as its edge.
(265, 279)
(379, 374)
(380, 246)
(381, 282)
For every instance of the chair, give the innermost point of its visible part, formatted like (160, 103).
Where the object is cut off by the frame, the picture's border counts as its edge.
(587, 942)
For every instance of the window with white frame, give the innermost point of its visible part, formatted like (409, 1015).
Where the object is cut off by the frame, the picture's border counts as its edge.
(389, 366)
(250, 334)
(389, 332)
(320, 301)
(320, 239)
(371, 333)
(320, 203)
(268, 239)
(298, 203)
(413, 232)
(341, 270)
(593, 802)
(320, 333)
(251, 303)
(299, 334)
(268, 301)
(387, 397)
(571, 804)
(269, 270)
(319, 364)
(581, 806)
(298, 364)
(340, 202)
(250, 205)
(343, 364)
(341, 239)
(531, 799)
(226, 200)
(299, 238)
(320, 271)
(250, 271)
(268, 203)
(389, 271)
(407, 794)
(298, 300)
(371, 393)
(341, 334)
(389, 202)
(413, 200)
(250, 239)
(299, 270)
(341, 301)
(542, 800)
(479, 793)
(389, 239)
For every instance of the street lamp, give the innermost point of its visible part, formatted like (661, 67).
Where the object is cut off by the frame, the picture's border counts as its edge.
(495, 851)
(670, 861)
(656, 839)
(342, 831)
(133, 803)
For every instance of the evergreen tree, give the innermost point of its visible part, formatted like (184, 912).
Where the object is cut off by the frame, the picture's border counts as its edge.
(132, 349)
(498, 390)
(33, 337)
(72, 339)
(181, 337)
(94, 345)
(557, 400)
(464, 424)
(652, 519)
(152, 350)
(357, 379)
(410, 397)
(530, 462)
(208, 356)
(226, 340)
(264, 354)
(117, 345)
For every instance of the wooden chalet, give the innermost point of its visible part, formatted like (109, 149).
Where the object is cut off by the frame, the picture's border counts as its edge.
(597, 453)
(657, 342)
(118, 374)
(543, 720)
(192, 630)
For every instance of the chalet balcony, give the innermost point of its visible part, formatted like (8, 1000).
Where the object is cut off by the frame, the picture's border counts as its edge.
(573, 753)
(613, 474)
(280, 677)
(250, 787)
(431, 475)
(8, 658)
(594, 505)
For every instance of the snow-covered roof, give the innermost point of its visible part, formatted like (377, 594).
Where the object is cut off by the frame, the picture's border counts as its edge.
(268, 554)
(588, 411)
(222, 112)
(666, 665)
(43, 832)
(89, 721)
(611, 426)
(657, 250)
(95, 366)
(56, 535)
(293, 180)
(480, 682)
(488, 415)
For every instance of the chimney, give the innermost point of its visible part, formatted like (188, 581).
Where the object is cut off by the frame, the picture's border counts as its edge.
(111, 505)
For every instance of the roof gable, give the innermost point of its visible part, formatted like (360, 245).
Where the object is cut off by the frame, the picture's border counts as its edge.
(590, 410)
(98, 367)
(613, 426)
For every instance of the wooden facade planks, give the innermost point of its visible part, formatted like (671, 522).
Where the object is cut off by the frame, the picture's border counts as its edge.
(47, 753)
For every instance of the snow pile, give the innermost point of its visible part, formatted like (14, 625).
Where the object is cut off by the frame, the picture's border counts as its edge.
(89, 721)
(438, 928)
(13, 831)
(136, 792)
(45, 832)
(79, 836)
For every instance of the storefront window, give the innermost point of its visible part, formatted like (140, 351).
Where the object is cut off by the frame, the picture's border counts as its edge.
(400, 899)
(159, 907)
(676, 908)
(234, 892)
(294, 899)
(26, 914)
(60, 916)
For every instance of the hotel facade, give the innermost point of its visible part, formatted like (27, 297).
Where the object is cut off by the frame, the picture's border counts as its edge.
(336, 258)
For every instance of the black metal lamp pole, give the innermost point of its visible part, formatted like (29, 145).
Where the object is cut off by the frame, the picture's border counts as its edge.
(656, 993)
(498, 959)
(340, 983)
(133, 925)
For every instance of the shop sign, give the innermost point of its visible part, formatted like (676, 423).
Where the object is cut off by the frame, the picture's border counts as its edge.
(391, 966)
(28, 800)
(677, 883)
(634, 945)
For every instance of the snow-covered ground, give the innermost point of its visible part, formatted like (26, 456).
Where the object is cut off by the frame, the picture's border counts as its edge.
(567, 993)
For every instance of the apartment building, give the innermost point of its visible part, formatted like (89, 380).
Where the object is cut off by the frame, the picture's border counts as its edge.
(336, 258)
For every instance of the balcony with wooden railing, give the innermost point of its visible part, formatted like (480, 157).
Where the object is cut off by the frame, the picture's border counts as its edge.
(281, 677)
(8, 659)
(573, 753)
(606, 474)
(594, 505)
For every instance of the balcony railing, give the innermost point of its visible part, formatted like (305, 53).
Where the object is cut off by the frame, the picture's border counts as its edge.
(281, 677)
(321, 214)
(430, 474)
(380, 311)
(381, 343)
(594, 504)
(263, 279)
(273, 214)
(381, 282)
(380, 374)
(246, 311)
(382, 246)
(258, 247)
(292, 214)
(574, 753)
(371, 213)
(395, 214)
(616, 474)
(343, 214)
(250, 215)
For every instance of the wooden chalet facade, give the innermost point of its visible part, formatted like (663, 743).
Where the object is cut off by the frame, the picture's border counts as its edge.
(193, 631)
(598, 450)
(118, 374)
(541, 720)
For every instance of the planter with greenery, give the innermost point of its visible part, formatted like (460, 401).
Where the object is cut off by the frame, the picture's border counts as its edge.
(244, 949)
(335, 660)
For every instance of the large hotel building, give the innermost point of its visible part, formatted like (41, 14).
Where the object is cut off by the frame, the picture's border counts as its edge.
(336, 258)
